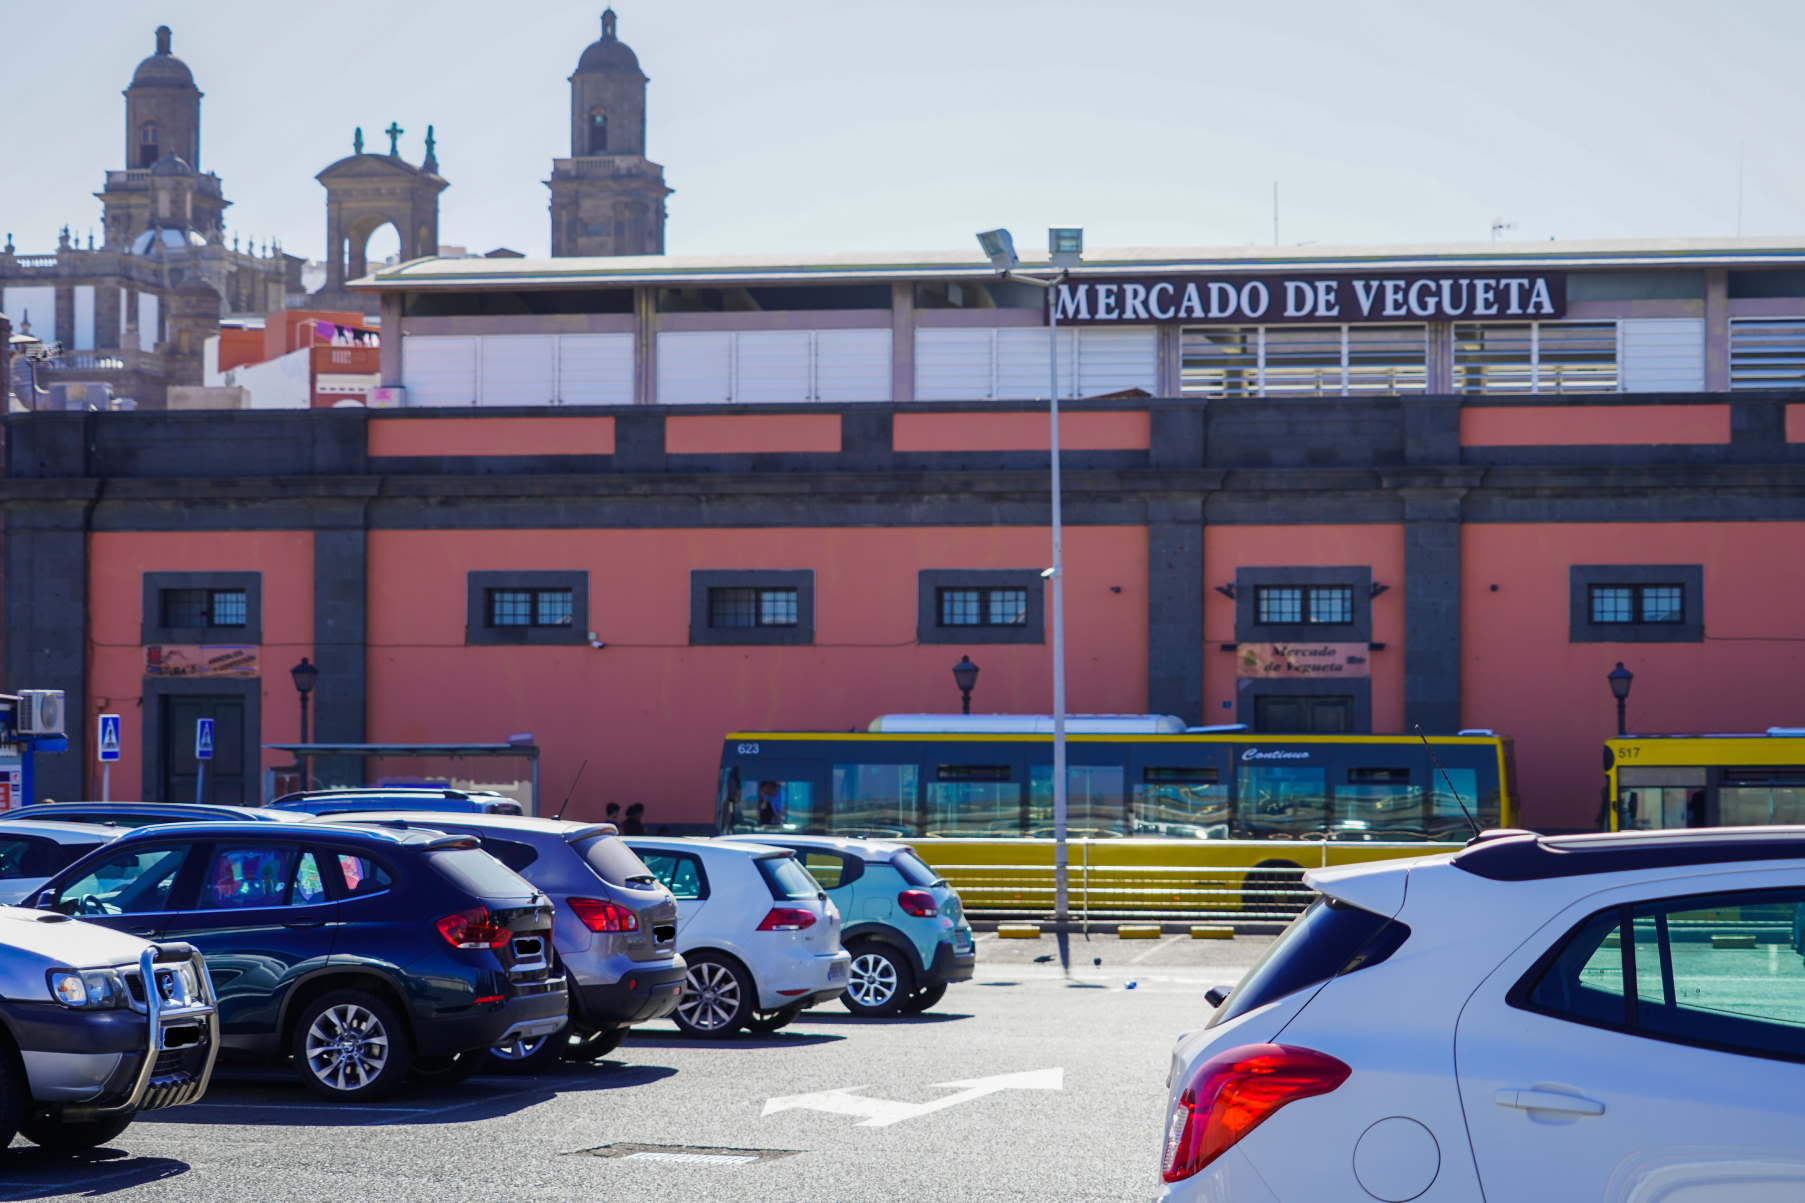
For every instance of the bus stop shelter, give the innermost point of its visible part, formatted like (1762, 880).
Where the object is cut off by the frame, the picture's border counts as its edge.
(307, 754)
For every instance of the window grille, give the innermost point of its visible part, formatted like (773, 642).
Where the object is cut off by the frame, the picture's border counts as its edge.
(1535, 357)
(1276, 604)
(530, 607)
(1332, 604)
(1638, 603)
(189, 608)
(983, 607)
(741, 608)
(1767, 353)
(1332, 361)
(1327, 604)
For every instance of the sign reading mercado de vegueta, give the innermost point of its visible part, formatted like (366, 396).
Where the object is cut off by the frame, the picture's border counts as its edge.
(1269, 300)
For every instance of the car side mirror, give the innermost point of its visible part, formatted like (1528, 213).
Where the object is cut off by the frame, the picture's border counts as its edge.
(1217, 995)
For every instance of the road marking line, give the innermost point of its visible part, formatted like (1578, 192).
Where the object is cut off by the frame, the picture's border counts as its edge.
(1147, 952)
(881, 1113)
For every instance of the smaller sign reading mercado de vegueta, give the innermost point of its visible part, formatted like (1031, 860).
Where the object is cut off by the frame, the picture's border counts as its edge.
(199, 660)
(1269, 300)
(1302, 660)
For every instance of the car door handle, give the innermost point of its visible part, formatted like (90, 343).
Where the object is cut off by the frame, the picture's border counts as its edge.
(306, 923)
(140, 931)
(1548, 1100)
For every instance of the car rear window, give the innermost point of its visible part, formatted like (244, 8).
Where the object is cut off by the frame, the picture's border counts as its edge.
(788, 879)
(478, 873)
(1331, 937)
(615, 863)
(914, 870)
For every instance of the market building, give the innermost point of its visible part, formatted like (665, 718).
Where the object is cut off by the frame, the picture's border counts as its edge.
(630, 504)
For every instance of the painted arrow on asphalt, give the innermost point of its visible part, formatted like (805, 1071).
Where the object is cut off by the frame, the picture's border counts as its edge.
(880, 1113)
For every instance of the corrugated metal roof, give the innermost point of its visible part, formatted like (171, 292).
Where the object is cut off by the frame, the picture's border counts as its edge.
(693, 270)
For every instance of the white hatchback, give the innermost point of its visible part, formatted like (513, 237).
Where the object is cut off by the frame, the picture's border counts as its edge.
(761, 938)
(1614, 1017)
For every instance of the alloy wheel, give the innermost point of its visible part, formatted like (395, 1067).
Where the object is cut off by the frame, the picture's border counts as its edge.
(521, 1049)
(872, 981)
(347, 1047)
(711, 997)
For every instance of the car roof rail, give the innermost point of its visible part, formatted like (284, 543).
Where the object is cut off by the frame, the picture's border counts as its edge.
(1525, 856)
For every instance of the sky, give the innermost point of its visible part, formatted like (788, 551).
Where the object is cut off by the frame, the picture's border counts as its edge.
(818, 126)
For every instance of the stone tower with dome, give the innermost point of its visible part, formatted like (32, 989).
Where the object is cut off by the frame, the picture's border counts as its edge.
(607, 197)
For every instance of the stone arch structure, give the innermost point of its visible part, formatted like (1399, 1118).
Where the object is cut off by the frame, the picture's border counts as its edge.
(365, 193)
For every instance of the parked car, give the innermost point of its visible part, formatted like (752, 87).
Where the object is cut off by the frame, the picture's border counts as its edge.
(760, 936)
(397, 797)
(367, 954)
(903, 925)
(1577, 1017)
(127, 815)
(86, 1047)
(31, 851)
(614, 930)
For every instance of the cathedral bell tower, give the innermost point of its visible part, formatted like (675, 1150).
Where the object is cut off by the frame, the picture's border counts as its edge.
(607, 198)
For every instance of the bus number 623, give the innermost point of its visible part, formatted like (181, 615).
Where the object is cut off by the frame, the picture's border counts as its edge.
(748, 749)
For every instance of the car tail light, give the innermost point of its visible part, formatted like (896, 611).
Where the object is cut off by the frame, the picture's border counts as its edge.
(604, 916)
(787, 918)
(472, 929)
(1233, 1092)
(919, 903)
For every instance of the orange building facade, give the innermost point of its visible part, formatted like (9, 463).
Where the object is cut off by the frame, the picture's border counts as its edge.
(629, 581)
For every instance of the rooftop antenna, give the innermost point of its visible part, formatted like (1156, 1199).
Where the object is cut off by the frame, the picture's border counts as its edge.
(1471, 822)
(1499, 224)
(573, 789)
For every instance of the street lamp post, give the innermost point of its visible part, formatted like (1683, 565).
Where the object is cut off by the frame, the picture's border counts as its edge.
(1620, 679)
(305, 675)
(965, 675)
(1065, 249)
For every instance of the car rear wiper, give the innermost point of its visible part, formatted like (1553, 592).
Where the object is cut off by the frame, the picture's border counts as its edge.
(645, 877)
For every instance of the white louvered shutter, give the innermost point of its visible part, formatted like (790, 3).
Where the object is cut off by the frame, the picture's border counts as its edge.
(1022, 370)
(518, 369)
(852, 365)
(695, 367)
(1662, 355)
(1114, 361)
(772, 365)
(439, 370)
(954, 365)
(595, 369)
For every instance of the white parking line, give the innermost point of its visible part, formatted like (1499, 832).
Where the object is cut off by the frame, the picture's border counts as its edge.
(1151, 949)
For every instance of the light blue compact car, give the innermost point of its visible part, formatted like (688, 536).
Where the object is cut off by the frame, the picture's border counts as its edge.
(903, 925)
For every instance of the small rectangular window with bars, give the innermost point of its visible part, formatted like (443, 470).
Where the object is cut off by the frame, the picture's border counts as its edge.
(1614, 604)
(1767, 353)
(736, 608)
(530, 607)
(1535, 357)
(1330, 361)
(983, 607)
(196, 608)
(1325, 604)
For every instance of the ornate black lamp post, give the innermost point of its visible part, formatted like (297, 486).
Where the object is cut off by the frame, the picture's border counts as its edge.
(305, 675)
(965, 675)
(1620, 679)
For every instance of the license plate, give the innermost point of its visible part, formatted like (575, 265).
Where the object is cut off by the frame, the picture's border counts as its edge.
(836, 971)
(962, 943)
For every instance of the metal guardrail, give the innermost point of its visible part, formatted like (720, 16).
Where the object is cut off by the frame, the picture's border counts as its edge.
(1267, 894)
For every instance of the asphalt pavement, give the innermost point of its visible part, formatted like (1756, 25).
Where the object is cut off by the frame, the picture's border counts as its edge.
(1027, 1083)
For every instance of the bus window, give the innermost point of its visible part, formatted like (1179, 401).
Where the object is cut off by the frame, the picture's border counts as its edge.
(1760, 797)
(1282, 801)
(775, 804)
(1655, 799)
(974, 799)
(875, 799)
(1094, 805)
(1379, 804)
(1181, 801)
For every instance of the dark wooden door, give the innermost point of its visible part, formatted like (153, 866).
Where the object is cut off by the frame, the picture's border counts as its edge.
(224, 782)
(1303, 715)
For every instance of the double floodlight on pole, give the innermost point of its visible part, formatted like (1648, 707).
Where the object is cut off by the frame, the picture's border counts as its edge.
(1065, 249)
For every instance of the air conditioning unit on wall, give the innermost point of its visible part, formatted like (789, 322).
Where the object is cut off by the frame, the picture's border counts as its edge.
(40, 712)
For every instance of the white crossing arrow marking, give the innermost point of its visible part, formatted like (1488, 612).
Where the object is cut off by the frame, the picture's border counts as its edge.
(881, 1113)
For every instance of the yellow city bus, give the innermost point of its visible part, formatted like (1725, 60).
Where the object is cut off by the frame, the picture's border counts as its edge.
(1160, 820)
(1663, 781)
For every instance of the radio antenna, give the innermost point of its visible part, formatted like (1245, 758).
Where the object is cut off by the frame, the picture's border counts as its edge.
(1444, 776)
(573, 789)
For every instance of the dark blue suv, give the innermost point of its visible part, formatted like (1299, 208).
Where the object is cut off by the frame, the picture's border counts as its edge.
(369, 955)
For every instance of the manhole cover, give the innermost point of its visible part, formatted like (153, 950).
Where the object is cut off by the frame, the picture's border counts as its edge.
(688, 1154)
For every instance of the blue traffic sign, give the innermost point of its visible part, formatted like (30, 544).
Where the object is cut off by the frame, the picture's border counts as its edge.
(109, 737)
(203, 739)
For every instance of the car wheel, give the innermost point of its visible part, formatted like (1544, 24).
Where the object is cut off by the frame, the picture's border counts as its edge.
(447, 1069)
(529, 1056)
(60, 1136)
(921, 1000)
(583, 1045)
(878, 982)
(350, 1047)
(770, 1021)
(15, 1092)
(717, 1000)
